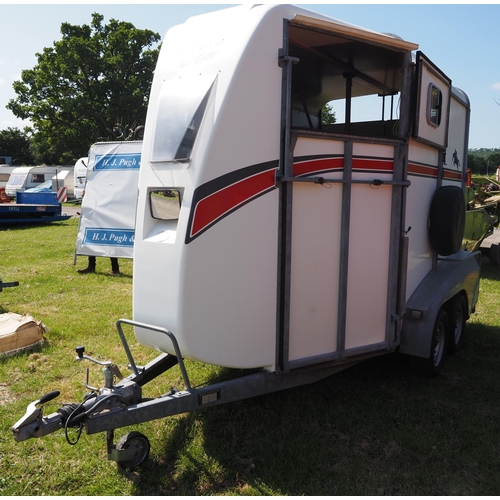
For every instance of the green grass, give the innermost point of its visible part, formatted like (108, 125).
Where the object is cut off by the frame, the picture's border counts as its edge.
(375, 429)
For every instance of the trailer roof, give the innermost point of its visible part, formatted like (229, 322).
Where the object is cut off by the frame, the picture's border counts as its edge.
(354, 32)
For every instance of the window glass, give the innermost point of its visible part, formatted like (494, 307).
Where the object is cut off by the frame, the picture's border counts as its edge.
(165, 204)
(344, 86)
(435, 106)
(17, 180)
(38, 178)
(180, 112)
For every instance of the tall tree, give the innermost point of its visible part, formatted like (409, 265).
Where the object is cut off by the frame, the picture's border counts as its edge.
(17, 144)
(95, 78)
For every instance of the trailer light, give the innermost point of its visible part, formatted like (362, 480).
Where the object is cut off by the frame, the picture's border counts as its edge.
(208, 397)
(416, 314)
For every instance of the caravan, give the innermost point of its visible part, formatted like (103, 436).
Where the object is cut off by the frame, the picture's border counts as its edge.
(5, 171)
(23, 178)
(271, 239)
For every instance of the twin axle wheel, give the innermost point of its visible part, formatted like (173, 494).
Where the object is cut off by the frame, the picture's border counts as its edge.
(447, 336)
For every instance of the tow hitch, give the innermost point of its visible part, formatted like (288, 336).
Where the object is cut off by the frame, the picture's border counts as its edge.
(132, 449)
(121, 404)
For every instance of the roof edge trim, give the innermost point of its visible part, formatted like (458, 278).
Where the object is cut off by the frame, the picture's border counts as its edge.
(354, 31)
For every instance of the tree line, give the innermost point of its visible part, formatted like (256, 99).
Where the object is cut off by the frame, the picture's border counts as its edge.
(90, 86)
(484, 161)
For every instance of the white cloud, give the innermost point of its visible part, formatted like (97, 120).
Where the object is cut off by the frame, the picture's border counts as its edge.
(496, 86)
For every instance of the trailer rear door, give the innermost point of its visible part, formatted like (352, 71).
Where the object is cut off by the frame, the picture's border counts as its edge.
(342, 242)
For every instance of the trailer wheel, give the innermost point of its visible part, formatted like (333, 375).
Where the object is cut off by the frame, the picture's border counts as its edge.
(447, 220)
(458, 318)
(494, 255)
(431, 366)
(141, 445)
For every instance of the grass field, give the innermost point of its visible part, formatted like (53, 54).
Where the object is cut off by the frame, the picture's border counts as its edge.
(375, 429)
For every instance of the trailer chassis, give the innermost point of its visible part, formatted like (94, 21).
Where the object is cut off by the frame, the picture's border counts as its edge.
(121, 404)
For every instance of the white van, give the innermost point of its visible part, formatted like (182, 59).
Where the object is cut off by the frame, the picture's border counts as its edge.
(23, 178)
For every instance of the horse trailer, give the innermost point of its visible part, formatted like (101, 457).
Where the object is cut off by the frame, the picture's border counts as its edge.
(300, 209)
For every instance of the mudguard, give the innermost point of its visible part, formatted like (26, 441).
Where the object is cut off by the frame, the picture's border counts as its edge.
(458, 273)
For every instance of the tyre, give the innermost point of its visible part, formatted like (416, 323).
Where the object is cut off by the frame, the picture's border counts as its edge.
(457, 318)
(494, 255)
(447, 220)
(140, 443)
(432, 365)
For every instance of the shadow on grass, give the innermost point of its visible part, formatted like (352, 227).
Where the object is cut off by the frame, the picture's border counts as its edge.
(376, 428)
(488, 271)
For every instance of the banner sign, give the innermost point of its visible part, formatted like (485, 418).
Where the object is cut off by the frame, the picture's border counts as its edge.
(117, 161)
(107, 220)
(124, 237)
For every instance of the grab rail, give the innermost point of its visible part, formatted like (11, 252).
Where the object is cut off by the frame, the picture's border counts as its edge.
(159, 329)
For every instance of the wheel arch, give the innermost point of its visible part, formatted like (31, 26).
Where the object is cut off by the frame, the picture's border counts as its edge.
(458, 274)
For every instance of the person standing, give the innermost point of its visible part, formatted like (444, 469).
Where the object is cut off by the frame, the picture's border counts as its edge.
(115, 268)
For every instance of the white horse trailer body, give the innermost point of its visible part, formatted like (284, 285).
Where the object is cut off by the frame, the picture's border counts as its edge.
(274, 236)
(290, 239)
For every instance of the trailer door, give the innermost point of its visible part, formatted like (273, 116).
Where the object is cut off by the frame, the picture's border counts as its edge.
(344, 249)
(342, 242)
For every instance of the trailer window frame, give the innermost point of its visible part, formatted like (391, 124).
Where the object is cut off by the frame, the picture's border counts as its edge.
(335, 69)
(181, 109)
(434, 105)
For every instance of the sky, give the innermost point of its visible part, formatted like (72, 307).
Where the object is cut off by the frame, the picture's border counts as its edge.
(462, 39)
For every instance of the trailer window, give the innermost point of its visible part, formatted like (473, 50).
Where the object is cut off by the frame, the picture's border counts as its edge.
(37, 178)
(180, 112)
(359, 81)
(434, 107)
(165, 204)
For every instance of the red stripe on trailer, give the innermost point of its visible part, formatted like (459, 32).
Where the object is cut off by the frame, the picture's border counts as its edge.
(62, 194)
(452, 175)
(431, 171)
(215, 206)
(422, 170)
(317, 166)
(370, 164)
(310, 167)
